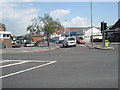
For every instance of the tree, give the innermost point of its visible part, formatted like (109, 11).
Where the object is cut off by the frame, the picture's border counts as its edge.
(46, 25)
(33, 29)
(49, 25)
(30, 28)
(2, 26)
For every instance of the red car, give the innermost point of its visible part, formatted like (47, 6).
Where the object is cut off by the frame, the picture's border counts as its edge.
(80, 42)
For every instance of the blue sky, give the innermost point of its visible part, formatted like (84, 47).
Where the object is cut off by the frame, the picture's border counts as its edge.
(17, 16)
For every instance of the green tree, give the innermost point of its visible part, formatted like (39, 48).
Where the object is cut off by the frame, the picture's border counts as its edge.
(48, 25)
(30, 28)
(34, 28)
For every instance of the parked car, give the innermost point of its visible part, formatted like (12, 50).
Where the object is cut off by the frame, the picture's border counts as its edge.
(16, 45)
(29, 45)
(69, 41)
(58, 41)
(41, 43)
(80, 42)
(97, 38)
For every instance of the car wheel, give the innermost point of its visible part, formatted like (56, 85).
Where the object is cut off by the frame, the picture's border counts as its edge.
(74, 45)
(63, 45)
(66, 45)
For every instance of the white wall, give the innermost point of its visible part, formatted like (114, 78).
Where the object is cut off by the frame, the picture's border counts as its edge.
(5, 35)
(88, 34)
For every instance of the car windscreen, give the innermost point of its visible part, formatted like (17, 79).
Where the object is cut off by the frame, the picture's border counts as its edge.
(71, 38)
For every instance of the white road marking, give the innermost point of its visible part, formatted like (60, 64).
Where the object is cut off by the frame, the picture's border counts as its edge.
(18, 62)
(2, 61)
(23, 60)
(22, 71)
(14, 64)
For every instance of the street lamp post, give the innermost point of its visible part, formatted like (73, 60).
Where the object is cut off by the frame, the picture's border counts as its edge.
(68, 29)
(31, 33)
(91, 23)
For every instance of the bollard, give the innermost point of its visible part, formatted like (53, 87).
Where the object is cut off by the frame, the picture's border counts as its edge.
(106, 43)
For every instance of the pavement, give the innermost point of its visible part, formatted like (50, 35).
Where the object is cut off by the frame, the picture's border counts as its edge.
(101, 47)
(54, 46)
(27, 49)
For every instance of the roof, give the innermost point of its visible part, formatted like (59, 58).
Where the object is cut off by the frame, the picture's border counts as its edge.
(76, 28)
(38, 35)
(5, 32)
(116, 25)
(95, 31)
(60, 30)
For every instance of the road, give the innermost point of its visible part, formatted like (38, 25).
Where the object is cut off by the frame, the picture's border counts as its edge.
(75, 67)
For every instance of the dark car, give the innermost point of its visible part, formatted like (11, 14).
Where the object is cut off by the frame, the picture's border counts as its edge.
(61, 41)
(41, 43)
(58, 41)
(16, 45)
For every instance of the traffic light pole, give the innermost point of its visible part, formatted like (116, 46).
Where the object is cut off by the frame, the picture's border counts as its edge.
(103, 33)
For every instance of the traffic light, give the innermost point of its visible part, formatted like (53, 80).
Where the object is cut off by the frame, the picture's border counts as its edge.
(103, 26)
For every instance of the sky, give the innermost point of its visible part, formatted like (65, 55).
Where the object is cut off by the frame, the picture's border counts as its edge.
(18, 15)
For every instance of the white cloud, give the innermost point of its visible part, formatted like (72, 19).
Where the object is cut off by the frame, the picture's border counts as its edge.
(17, 20)
(76, 22)
(59, 13)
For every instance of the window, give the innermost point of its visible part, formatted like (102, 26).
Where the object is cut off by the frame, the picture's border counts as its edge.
(4, 35)
(71, 38)
(8, 35)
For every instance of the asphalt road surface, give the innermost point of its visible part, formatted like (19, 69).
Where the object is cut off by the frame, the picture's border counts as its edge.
(74, 67)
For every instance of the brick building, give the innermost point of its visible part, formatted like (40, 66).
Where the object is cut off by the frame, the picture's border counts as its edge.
(37, 37)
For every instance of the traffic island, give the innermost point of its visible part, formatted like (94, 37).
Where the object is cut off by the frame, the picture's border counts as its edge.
(90, 46)
(100, 47)
(104, 48)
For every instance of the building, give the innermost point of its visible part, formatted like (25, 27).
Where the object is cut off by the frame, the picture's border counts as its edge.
(26, 39)
(88, 33)
(5, 37)
(37, 37)
(74, 31)
(113, 33)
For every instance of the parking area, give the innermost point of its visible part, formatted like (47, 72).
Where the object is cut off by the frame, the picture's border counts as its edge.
(14, 67)
(69, 67)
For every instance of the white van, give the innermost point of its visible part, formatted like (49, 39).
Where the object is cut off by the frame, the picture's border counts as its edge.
(69, 41)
